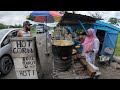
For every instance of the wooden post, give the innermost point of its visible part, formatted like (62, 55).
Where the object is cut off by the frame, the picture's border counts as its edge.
(90, 70)
(24, 57)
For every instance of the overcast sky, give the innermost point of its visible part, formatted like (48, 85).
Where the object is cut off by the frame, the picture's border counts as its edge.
(17, 17)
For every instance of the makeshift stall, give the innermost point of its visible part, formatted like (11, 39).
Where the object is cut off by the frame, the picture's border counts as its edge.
(108, 40)
(109, 33)
(81, 69)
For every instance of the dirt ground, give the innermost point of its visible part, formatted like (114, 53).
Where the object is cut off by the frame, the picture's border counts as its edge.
(108, 72)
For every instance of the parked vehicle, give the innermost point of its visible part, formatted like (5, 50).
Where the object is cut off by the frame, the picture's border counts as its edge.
(39, 29)
(45, 27)
(6, 60)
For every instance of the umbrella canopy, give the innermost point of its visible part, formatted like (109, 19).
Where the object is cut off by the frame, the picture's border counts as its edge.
(45, 16)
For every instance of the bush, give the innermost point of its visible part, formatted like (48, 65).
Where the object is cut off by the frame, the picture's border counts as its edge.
(32, 30)
(2, 26)
(117, 50)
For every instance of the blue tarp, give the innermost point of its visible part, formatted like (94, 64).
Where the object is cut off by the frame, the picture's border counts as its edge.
(111, 33)
(70, 29)
(40, 13)
(107, 25)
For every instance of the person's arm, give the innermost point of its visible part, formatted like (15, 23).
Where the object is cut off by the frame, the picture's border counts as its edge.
(96, 45)
(19, 34)
(30, 34)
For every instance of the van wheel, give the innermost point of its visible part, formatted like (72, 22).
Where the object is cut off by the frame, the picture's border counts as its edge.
(6, 65)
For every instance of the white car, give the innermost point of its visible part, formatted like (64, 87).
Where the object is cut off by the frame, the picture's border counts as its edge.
(39, 29)
(6, 62)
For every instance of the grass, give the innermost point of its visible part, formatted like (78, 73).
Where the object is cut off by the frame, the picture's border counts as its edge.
(117, 50)
(32, 30)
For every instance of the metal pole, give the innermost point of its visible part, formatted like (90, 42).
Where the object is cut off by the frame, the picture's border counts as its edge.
(46, 34)
(82, 26)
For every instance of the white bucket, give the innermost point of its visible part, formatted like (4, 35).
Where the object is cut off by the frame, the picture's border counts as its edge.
(104, 58)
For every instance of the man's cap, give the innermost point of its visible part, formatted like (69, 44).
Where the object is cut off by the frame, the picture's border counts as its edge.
(26, 23)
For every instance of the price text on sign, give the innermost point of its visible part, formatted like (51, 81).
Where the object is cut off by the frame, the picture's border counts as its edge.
(29, 62)
(25, 62)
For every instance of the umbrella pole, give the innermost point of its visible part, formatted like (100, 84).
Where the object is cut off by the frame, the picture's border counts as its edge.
(47, 53)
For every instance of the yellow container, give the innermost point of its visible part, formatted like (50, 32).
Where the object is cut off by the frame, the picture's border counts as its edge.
(77, 46)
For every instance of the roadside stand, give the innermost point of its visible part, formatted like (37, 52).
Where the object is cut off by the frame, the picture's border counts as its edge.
(68, 63)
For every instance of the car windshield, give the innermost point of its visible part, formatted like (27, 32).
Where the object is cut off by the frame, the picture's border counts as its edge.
(38, 27)
(2, 33)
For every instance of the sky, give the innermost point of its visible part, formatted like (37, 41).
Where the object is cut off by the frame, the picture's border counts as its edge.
(18, 17)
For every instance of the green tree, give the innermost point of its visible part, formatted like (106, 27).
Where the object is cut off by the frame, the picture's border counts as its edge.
(114, 21)
(11, 26)
(15, 26)
(2, 26)
(62, 12)
(19, 26)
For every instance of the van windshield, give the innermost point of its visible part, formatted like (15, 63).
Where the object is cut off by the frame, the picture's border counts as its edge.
(39, 27)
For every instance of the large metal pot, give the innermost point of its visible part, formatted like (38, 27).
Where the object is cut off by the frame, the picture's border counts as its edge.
(62, 48)
(62, 65)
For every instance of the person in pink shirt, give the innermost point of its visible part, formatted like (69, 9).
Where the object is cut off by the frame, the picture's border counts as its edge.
(91, 46)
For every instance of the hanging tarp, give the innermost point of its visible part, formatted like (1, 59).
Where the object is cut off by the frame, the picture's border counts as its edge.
(71, 19)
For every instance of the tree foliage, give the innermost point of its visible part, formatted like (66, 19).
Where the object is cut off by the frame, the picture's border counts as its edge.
(114, 21)
(3, 26)
(96, 15)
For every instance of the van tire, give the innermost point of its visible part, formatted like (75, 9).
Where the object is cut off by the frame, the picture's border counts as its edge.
(6, 65)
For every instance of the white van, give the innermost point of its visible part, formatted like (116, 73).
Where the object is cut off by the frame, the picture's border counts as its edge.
(39, 29)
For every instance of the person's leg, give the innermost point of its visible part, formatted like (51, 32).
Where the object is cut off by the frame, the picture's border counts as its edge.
(87, 57)
(92, 57)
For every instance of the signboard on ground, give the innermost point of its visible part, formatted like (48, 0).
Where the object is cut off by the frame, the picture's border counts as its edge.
(23, 52)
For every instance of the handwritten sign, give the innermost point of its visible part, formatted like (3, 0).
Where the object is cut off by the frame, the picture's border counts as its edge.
(23, 52)
(22, 47)
(26, 74)
(25, 62)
